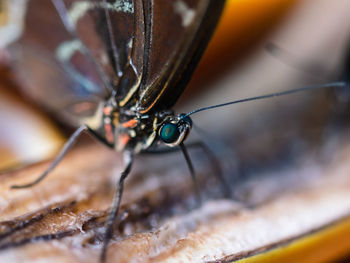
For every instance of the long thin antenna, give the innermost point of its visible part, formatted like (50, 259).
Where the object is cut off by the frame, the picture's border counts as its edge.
(271, 95)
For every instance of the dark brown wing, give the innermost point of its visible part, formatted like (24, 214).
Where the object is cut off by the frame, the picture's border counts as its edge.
(154, 45)
(118, 29)
(73, 53)
(176, 34)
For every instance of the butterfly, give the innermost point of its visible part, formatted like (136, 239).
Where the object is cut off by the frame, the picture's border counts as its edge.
(115, 69)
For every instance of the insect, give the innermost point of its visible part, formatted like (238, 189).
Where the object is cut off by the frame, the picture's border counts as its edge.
(115, 69)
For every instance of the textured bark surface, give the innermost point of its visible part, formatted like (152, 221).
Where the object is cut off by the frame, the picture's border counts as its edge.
(61, 219)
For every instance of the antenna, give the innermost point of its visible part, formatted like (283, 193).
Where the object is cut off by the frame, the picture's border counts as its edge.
(271, 95)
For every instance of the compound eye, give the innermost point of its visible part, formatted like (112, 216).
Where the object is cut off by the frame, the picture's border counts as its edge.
(169, 133)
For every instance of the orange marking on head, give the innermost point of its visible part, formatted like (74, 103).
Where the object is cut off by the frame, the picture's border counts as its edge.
(130, 124)
(123, 140)
(109, 133)
(107, 110)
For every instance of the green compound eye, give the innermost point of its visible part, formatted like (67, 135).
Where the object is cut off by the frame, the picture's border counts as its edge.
(169, 133)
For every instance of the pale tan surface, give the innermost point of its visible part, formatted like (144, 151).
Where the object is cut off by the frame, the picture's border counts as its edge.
(156, 226)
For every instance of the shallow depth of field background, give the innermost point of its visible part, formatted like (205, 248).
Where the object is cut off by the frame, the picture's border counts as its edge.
(314, 36)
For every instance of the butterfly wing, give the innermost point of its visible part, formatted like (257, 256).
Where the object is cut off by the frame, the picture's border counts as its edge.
(118, 29)
(74, 53)
(176, 34)
(154, 45)
(65, 58)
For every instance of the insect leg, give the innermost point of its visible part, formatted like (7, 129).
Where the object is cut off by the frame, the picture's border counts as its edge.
(128, 159)
(58, 159)
(193, 174)
(216, 167)
(214, 163)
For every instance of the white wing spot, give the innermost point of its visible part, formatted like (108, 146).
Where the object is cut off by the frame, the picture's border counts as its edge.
(104, 58)
(122, 6)
(64, 53)
(187, 14)
(130, 43)
(79, 9)
(66, 50)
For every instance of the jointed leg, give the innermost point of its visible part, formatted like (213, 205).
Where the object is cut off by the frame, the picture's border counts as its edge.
(216, 167)
(193, 174)
(128, 159)
(57, 160)
(210, 155)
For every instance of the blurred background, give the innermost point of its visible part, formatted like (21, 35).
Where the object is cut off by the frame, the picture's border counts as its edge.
(259, 47)
(312, 39)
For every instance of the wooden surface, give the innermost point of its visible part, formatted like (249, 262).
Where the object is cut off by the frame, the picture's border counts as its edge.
(61, 219)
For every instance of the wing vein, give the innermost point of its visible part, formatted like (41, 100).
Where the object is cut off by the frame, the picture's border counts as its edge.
(69, 26)
(148, 19)
(112, 41)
